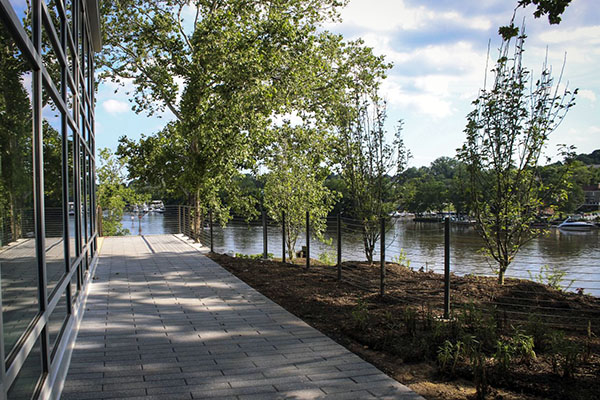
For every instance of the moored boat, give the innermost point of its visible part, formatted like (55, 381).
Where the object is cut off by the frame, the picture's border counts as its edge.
(574, 225)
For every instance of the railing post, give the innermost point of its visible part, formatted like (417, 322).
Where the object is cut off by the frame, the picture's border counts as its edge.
(339, 246)
(179, 218)
(265, 239)
(382, 270)
(447, 268)
(98, 221)
(210, 221)
(283, 236)
(307, 240)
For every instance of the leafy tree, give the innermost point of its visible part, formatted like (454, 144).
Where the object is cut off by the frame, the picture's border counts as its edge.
(590, 159)
(430, 195)
(295, 182)
(366, 160)
(224, 74)
(506, 134)
(553, 8)
(113, 195)
(16, 185)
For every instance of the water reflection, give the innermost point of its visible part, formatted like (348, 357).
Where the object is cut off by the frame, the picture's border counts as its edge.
(423, 244)
(18, 263)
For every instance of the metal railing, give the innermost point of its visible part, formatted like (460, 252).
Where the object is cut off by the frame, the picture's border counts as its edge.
(436, 283)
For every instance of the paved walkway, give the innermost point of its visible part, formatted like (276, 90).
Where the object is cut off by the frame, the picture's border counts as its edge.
(165, 322)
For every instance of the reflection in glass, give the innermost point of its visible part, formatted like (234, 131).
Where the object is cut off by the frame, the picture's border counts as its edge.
(23, 11)
(28, 377)
(55, 257)
(18, 264)
(72, 182)
(56, 320)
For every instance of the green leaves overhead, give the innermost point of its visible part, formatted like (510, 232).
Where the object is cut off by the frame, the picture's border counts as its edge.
(228, 70)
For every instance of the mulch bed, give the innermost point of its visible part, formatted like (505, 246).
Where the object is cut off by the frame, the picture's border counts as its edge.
(330, 306)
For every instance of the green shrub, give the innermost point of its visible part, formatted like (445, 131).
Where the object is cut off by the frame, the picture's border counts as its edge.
(360, 315)
(552, 276)
(565, 355)
(401, 259)
(328, 258)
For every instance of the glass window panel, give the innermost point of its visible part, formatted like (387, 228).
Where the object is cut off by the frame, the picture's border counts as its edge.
(89, 197)
(18, 263)
(74, 290)
(82, 196)
(57, 319)
(28, 377)
(54, 14)
(53, 198)
(72, 183)
(49, 53)
(23, 11)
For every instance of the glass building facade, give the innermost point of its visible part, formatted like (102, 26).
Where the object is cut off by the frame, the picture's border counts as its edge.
(48, 234)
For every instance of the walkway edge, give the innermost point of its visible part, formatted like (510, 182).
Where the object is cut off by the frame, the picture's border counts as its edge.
(54, 386)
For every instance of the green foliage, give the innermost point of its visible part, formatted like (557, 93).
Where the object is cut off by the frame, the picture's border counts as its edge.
(536, 328)
(360, 314)
(295, 182)
(449, 352)
(253, 256)
(113, 195)
(328, 258)
(506, 133)
(566, 354)
(553, 8)
(552, 276)
(16, 172)
(365, 160)
(401, 259)
(410, 318)
(226, 77)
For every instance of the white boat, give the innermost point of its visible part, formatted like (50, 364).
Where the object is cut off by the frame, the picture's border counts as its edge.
(157, 206)
(575, 225)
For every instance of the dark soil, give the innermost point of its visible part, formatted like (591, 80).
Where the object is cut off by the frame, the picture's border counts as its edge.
(402, 331)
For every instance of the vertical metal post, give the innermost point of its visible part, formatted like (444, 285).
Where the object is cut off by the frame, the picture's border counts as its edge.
(38, 179)
(264, 224)
(307, 240)
(447, 268)
(179, 218)
(339, 246)
(99, 221)
(283, 236)
(382, 270)
(210, 221)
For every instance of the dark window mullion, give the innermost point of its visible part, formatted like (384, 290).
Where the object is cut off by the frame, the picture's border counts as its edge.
(65, 157)
(38, 193)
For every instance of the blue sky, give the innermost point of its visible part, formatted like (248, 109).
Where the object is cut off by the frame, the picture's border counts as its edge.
(438, 48)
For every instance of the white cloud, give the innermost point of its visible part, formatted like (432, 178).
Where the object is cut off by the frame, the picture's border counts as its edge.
(113, 106)
(588, 95)
(587, 34)
(393, 15)
(423, 102)
(126, 85)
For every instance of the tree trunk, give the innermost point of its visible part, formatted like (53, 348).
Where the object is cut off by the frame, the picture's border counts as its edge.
(367, 245)
(197, 218)
(14, 219)
(501, 271)
(291, 244)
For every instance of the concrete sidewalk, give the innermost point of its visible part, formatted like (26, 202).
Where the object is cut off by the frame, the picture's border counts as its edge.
(165, 322)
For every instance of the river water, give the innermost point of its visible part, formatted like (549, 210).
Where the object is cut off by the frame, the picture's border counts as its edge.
(575, 253)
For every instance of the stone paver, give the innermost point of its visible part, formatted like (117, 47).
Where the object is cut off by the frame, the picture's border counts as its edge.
(163, 321)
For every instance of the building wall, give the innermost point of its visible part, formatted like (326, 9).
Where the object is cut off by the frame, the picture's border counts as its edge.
(47, 160)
